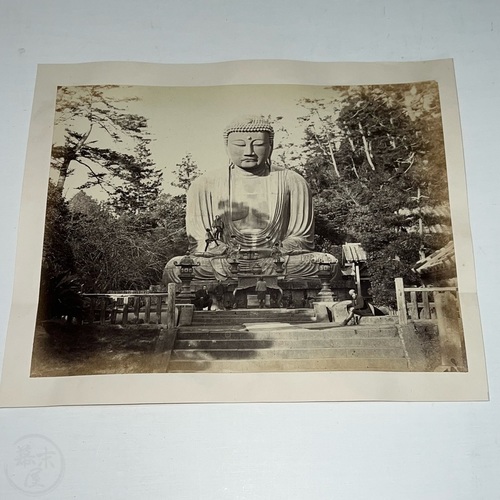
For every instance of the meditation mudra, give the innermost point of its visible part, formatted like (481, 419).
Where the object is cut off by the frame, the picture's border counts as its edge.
(260, 208)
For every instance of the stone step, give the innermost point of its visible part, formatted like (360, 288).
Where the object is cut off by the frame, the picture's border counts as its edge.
(379, 320)
(235, 319)
(322, 353)
(241, 321)
(258, 314)
(280, 345)
(294, 316)
(290, 333)
(252, 344)
(257, 311)
(289, 365)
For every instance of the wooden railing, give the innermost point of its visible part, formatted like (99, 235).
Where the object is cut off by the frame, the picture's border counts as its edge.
(442, 303)
(421, 304)
(130, 308)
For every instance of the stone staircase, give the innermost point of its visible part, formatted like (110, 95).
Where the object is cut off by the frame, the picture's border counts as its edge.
(283, 340)
(243, 316)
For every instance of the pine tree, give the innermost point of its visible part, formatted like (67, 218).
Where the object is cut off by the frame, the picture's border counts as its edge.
(140, 183)
(98, 134)
(185, 173)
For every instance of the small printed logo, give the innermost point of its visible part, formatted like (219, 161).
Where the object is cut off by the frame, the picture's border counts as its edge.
(34, 464)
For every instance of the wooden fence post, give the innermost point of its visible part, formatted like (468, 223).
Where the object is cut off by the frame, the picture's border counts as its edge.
(92, 310)
(401, 301)
(414, 305)
(147, 310)
(114, 305)
(125, 311)
(159, 300)
(171, 306)
(102, 313)
(137, 308)
(426, 311)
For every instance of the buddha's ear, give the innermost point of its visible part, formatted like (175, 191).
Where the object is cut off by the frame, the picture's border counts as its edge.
(271, 144)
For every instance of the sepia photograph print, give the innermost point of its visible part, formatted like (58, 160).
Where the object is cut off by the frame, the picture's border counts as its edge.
(284, 230)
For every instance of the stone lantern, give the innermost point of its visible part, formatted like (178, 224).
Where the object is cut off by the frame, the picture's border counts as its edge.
(325, 275)
(279, 264)
(234, 265)
(186, 274)
(234, 253)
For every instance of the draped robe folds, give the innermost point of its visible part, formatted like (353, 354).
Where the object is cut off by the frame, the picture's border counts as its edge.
(258, 212)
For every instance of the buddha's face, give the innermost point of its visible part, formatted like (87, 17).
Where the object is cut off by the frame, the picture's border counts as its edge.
(249, 150)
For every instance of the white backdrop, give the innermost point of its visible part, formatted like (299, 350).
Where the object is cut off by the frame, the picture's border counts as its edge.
(327, 450)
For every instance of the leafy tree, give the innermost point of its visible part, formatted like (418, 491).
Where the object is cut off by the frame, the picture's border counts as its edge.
(185, 173)
(59, 285)
(93, 116)
(375, 163)
(126, 251)
(57, 254)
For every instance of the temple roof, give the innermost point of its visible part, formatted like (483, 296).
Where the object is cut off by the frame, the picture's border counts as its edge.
(353, 252)
(441, 212)
(438, 261)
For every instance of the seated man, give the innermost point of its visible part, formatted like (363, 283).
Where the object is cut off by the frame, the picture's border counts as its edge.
(359, 307)
(202, 299)
(259, 206)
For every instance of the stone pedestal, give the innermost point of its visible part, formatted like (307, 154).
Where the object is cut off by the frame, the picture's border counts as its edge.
(321, 311)
(186, 312)
(325, 294)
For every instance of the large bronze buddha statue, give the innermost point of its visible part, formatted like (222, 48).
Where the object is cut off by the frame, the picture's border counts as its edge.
(251, 210)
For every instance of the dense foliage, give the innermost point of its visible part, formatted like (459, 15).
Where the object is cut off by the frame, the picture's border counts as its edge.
(377, 170)
(123, 241)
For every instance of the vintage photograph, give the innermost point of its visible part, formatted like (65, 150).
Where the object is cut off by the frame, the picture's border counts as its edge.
(248, 228)
(246, 231)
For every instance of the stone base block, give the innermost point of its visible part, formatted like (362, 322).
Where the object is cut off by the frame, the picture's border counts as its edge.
(185, 314)
(252, 301)
(321, 311)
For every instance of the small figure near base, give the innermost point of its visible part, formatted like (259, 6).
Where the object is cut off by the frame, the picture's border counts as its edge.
(261, 289)
(219, 294)
(202, 299)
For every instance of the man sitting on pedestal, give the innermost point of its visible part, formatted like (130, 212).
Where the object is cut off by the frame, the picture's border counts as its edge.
(202, 299)
(359, 307)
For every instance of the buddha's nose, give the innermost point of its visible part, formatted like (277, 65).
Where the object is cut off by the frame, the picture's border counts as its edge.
(248, 151)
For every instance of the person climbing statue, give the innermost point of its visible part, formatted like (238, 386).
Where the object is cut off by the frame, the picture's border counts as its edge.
(209, 237)
(219, 227)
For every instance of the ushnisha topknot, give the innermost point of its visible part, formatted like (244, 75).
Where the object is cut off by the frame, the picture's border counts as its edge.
(249, 123)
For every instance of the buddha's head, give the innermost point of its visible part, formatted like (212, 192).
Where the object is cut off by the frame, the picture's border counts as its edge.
(249, 142)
